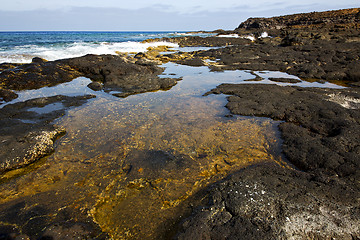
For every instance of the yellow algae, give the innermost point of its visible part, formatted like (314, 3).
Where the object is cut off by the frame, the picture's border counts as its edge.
(209, 149)
(131, 163)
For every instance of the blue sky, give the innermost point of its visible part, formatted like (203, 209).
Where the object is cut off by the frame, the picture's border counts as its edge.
(148, 15)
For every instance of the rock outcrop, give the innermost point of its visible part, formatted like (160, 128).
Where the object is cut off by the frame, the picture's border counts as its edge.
(123, 74)
(346, 16)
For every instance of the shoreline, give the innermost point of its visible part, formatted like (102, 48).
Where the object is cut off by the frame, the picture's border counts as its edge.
(320, 127)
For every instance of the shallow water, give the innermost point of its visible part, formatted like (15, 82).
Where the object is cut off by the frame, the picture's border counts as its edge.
(130, 163)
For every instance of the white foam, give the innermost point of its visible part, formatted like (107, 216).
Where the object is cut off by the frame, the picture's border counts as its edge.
(250, 37)
(264, 35)
(229, 35)
(24, 54)
(345, 101)
(184, 34)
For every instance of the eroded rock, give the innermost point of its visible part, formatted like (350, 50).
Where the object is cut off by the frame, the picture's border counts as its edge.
(270, 202)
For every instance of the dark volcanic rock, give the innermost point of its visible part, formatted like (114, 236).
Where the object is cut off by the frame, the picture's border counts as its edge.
(316, 45)
(314, 60)
(319, 133)
(115, 72)
(41, 221)
(195, 62)
(119, 73)
(5, 66)
(26, 135)
(270, 202)
(36, 75)
(195, 41)
(285, 80)
(70, 231)
(303, 19)
(7, 95)
(96, 86)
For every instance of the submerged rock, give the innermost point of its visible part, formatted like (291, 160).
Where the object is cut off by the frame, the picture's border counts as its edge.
(34, 145)
(26, 135)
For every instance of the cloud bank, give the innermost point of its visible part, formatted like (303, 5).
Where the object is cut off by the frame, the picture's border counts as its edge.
(157, 17)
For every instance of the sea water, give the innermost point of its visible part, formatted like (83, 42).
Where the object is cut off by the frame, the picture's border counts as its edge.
(21, 47)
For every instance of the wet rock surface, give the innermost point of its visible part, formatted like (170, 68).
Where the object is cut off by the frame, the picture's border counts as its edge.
(26, 132)
(36, 75)
(117, 73)
(29, 220)
(128, 75)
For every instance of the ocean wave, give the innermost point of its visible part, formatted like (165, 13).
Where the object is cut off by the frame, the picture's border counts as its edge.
(25, 53)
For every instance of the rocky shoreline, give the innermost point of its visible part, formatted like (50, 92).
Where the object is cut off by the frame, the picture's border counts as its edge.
(316, 199)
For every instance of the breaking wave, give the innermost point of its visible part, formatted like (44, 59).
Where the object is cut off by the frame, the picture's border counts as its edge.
(25, 53)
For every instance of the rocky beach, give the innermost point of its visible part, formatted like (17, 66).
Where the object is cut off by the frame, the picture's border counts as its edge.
(279, 159)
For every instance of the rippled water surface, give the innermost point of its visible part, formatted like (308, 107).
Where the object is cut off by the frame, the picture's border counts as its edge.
(130, 163)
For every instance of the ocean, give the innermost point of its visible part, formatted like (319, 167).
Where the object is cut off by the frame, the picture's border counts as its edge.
(21, 47)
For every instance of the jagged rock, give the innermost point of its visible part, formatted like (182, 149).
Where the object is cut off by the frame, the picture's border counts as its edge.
(270, 202)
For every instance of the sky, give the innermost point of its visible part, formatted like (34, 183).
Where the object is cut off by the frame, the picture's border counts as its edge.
(148, 15)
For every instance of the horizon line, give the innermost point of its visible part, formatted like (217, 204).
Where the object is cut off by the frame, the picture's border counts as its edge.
(107, 30)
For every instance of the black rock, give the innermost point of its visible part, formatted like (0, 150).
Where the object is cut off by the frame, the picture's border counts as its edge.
(318, 133)
(285, 80)
(7, 95)
(96, 86)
